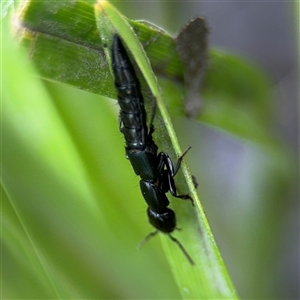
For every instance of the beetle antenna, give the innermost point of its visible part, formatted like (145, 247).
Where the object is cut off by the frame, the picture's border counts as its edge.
(146, 239)
(182, 249)
(152, 234)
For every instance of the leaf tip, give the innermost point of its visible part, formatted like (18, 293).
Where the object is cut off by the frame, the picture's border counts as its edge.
(100, 3)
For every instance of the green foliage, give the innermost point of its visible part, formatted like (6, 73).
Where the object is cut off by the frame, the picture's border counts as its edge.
(72, 209)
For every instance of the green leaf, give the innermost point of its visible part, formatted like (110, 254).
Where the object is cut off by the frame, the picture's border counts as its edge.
(70, 202)
(203, 248)
(236, 98)
(65, 46)
(73, 175)
(62, 51)
(80, 61)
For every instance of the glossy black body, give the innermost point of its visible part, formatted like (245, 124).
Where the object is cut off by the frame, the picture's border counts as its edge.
(156, 170)
(132, 114)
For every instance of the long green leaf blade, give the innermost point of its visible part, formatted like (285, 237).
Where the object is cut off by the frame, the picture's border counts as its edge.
(194, 282)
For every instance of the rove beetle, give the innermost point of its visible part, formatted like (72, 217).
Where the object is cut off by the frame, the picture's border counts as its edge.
(156, 170)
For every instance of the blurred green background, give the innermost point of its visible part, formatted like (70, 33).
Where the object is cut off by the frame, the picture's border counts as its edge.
(55, 161)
